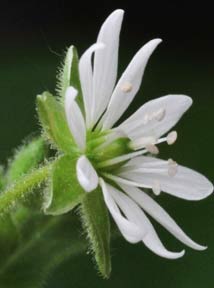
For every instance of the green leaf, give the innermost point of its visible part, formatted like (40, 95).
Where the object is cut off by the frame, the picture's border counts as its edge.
(65, 191)
(52, 117)
(69, 75)
(96, 221)
(27, 157)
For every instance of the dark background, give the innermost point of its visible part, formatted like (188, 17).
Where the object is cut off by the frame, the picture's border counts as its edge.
(33, 37)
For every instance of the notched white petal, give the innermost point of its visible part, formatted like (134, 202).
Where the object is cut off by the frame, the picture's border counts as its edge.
(86, 174)
(174, 179)
(157, 117)
(128, 84)
(130, 231)
(86, 78)
(150, 239)
(75, 118)
(160, 215)
(130, 209)
(106, 62)
(153, 242)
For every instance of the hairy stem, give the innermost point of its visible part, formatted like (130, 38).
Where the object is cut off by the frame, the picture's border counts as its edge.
(22, 187)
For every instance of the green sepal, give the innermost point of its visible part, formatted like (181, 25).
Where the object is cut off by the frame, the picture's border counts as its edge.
(69, 75)
(52, 118)
(26, 158)
(65, 192)
(95, 219)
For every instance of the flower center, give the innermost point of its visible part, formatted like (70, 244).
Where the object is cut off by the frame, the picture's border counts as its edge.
(107, 145)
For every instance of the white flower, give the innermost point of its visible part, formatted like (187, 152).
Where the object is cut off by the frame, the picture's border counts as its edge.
(124, 171)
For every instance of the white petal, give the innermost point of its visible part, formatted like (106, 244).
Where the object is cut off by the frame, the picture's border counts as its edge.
(135, 214)
(86, 78)
(186, 183)
(75, 118)
(86, 174)
(130, 209)
(160, 215)
(130, 231)
(106, 62)
(139, 124)
(153, 242)
(128, 84)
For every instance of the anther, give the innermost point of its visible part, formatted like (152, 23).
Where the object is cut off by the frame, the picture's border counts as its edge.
(156, 188)
(172, 168)
(126, 87)
(153, 149)
(171, 137)
(142, 142)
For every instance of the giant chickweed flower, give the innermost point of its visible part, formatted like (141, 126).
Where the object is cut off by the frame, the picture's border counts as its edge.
(119, 158)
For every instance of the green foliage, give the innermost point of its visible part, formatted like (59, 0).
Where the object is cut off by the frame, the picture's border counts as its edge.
(46, 242)
(2, 178)
(33, 242)
(26, 158)
(65, 191)
(95, 219)
(8, 238)
(54, 124)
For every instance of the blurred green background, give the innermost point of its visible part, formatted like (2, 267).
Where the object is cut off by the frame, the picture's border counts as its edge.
(33, 38)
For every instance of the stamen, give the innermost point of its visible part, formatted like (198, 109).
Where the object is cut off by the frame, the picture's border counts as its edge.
(126, 87)
(160, 114)
(125, 181)
(150, 142)
(171, 137)
(120, 159)
(156, 188)
(172, 168)
(153, 149)
(142, 142)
